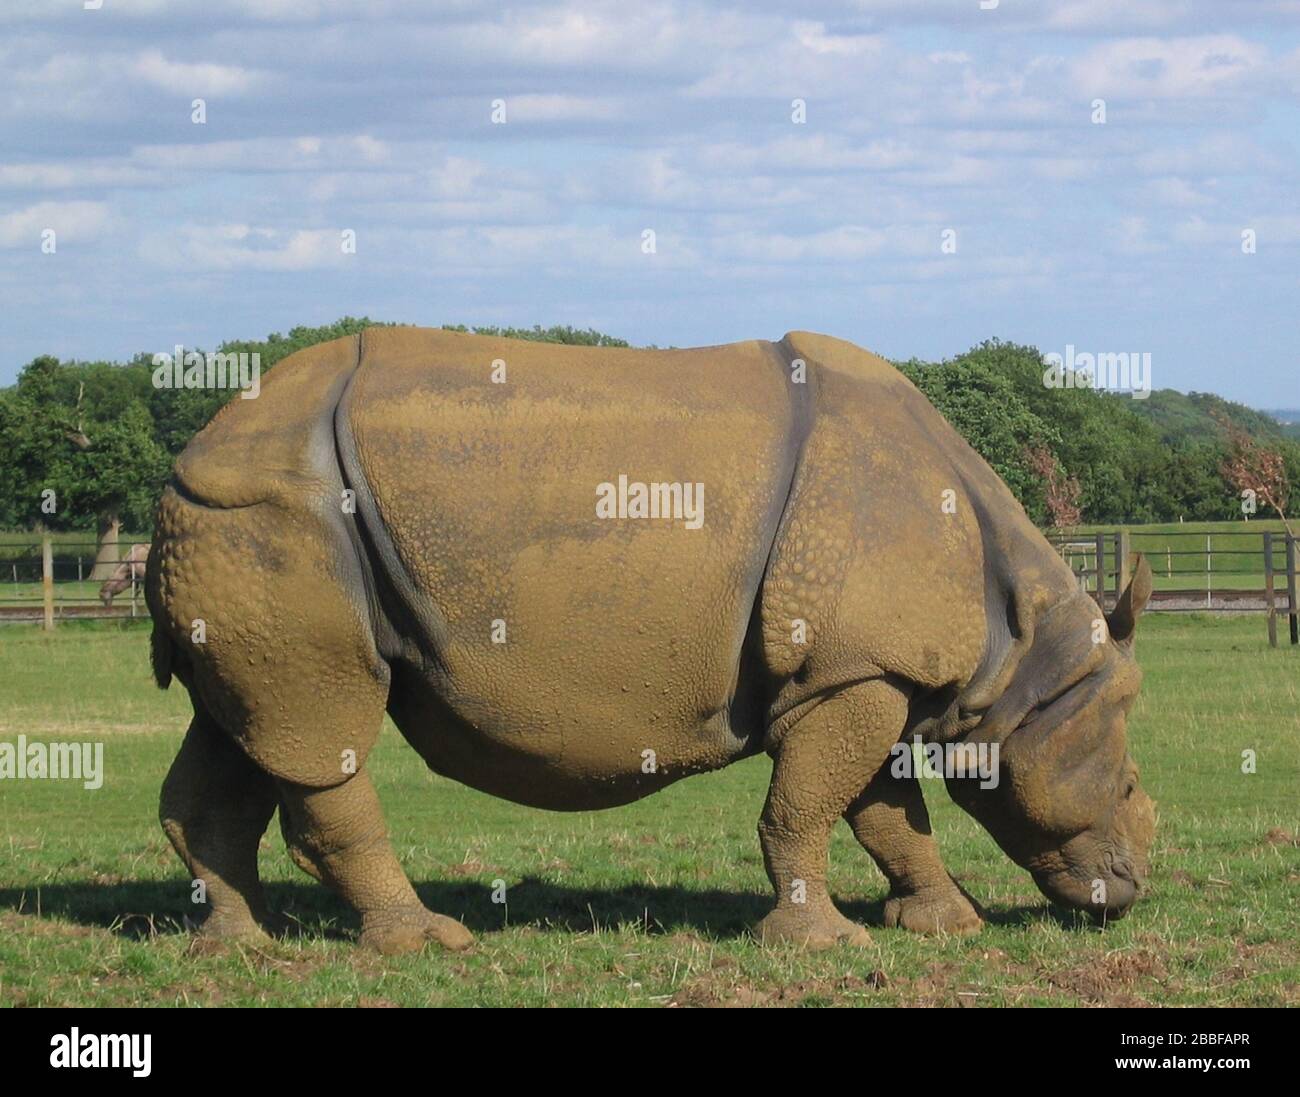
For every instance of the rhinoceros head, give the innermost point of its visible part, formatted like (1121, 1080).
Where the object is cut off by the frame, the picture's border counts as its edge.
(1068, 805)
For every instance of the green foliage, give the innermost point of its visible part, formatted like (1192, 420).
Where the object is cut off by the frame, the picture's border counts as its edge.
(1191, 416)
(83, 432)
(1148, 460)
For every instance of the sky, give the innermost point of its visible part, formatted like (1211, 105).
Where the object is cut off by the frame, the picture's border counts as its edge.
(648, 170)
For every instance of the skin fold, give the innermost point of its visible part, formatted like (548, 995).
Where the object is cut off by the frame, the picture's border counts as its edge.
(406, 521)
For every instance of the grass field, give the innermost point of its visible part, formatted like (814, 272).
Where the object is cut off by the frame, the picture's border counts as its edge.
(648, 905)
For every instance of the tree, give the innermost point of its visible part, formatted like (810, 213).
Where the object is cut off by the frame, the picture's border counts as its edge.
(1061, 492)
(79, 451)
(1256, 468)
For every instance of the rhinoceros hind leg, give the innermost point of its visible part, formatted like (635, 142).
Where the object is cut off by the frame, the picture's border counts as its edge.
(340, 833)
(298, 852)
(892, 824)
(822, 762)
(215, 807)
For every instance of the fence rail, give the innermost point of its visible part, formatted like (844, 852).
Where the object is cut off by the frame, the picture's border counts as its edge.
(51, 580)
(1234, 571)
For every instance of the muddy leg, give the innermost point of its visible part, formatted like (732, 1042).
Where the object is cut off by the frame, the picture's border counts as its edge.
(822, 763)
(891, 822)
(215, 807)
(340, 832)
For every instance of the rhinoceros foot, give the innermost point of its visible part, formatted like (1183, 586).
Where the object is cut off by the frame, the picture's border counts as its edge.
(216, 933)
(394, 932)
(812, 928)
(941, 909)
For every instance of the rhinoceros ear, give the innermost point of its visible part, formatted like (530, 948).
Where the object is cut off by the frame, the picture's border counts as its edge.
(1122, 620)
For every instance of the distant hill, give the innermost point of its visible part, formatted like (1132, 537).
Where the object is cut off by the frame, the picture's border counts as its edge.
(1289, 418)
(1190, 417)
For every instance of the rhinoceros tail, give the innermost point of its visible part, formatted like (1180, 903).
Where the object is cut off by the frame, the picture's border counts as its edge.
(161, 653)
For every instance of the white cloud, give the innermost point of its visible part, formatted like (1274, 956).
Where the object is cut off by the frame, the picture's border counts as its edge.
(554, 108)
(1171, 191)
(234, 247)
(1177, 68)
(263, 154)
(848, 243)
(72, 222)
(72, 174)
(192, 77)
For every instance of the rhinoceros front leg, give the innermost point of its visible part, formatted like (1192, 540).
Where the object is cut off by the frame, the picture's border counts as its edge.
(340, 832)
(891, 822)
(823, 762)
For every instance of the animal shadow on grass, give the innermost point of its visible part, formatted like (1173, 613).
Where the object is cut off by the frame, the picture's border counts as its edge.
(308, 910)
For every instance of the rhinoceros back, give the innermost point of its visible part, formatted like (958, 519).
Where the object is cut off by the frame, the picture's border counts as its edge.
(568, 634)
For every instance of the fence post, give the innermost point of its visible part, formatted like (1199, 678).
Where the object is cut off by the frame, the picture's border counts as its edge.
(1209, 573)
(1269, 601)
(1100, 590)
(1291, 606)
(47, 580)
(1123, 550)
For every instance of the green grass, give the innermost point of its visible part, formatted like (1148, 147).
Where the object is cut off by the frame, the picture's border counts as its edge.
(648, 904)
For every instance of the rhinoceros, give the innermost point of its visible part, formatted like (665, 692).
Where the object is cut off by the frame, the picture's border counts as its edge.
(574, 575)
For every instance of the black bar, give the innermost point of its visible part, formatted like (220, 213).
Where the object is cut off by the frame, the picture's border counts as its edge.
(341, 1047)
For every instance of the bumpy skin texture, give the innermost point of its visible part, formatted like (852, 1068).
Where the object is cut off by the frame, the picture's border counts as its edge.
(406, 521)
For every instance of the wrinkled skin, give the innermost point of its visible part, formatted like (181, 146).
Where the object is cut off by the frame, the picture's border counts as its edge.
(405, 522)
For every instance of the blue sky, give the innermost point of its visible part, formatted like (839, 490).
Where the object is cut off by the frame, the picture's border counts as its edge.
(922, 116)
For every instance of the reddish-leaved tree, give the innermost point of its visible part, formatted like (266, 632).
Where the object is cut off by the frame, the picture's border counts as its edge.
(1062, 493)
(1253, 467)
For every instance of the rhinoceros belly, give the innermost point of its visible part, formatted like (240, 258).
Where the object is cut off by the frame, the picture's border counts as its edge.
(582, 533)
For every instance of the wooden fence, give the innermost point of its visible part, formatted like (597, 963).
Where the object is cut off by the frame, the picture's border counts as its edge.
(50, 580)
(1233, 571)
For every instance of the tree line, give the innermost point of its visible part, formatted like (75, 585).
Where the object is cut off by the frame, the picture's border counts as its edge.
(89, 445)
